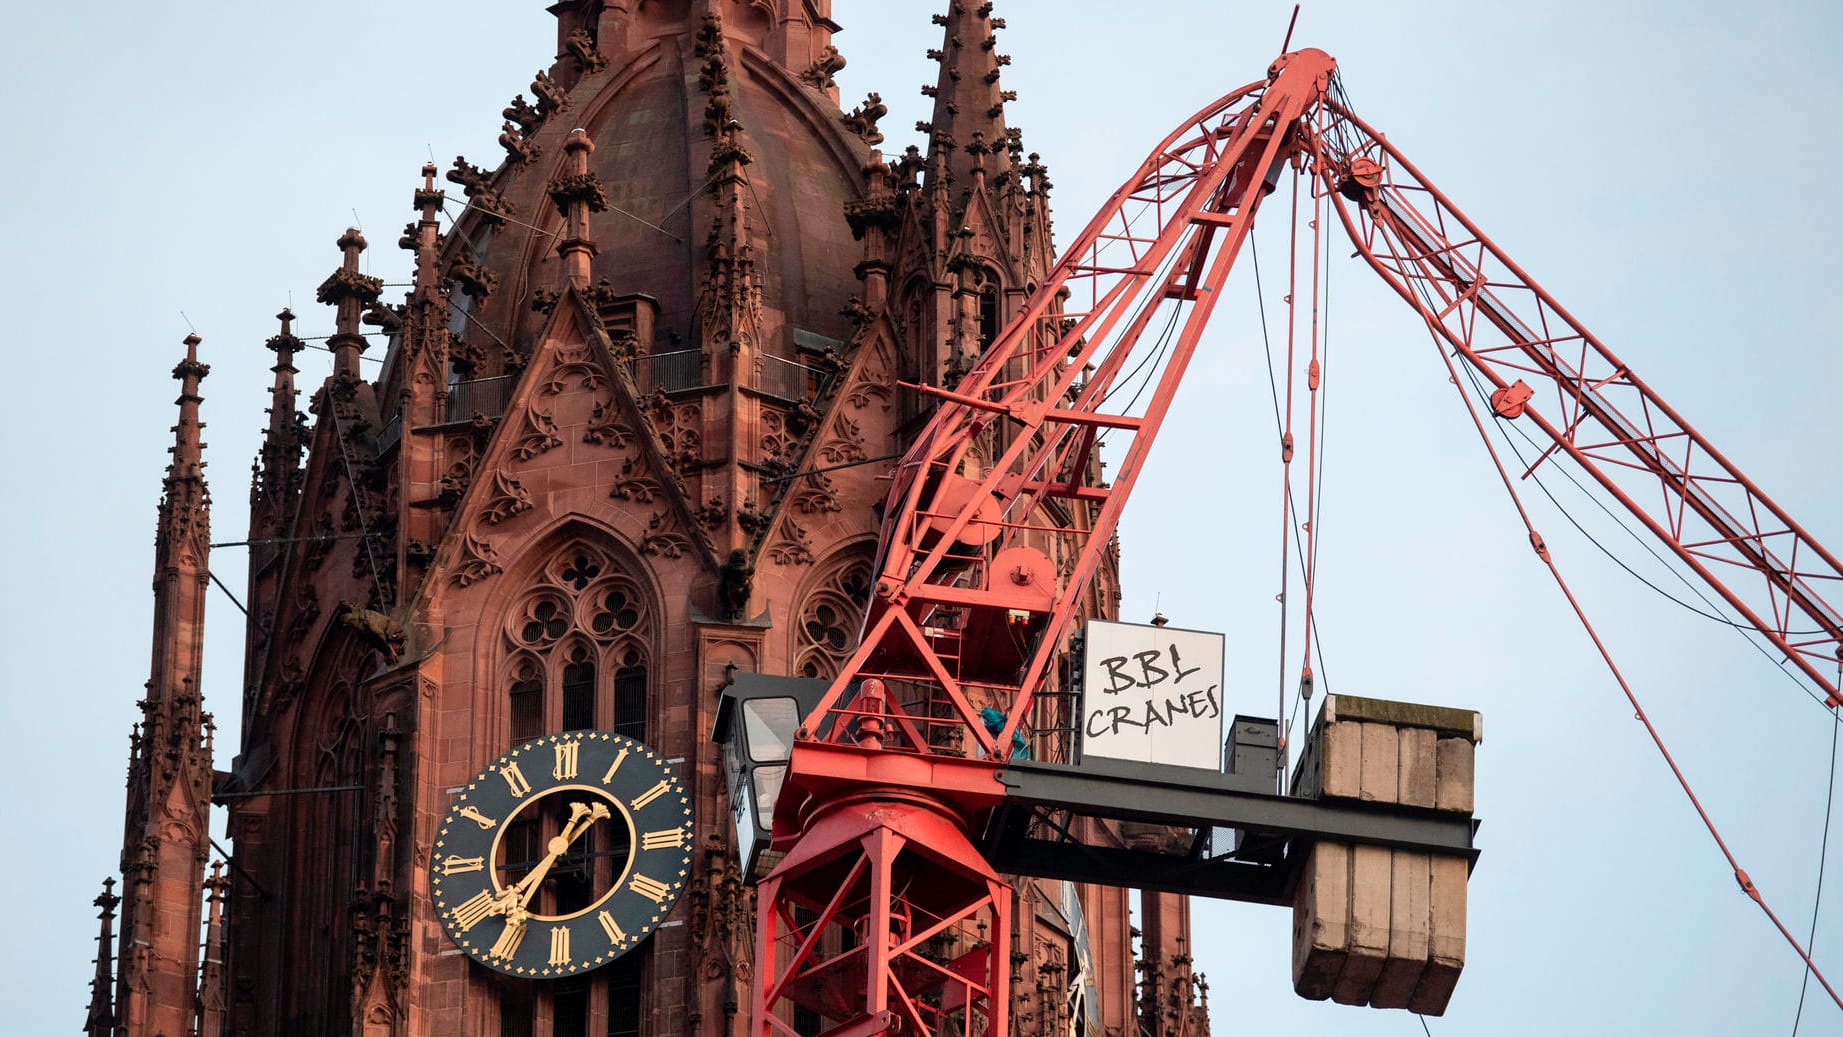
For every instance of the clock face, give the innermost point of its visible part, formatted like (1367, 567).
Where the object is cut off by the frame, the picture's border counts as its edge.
(563, 854)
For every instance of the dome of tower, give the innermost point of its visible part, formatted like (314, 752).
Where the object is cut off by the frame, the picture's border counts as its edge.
(660, 88)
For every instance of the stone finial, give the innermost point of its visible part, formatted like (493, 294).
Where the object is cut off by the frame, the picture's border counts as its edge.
(350, 291)
(428, 201)
(277, 471)
(188, 450)
(577, 193)
(100, 1021)
(284, 345)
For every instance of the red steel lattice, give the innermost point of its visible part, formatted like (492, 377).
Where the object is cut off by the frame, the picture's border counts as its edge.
(883, 915)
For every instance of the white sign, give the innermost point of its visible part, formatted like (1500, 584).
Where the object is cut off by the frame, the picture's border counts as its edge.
(1152, 694)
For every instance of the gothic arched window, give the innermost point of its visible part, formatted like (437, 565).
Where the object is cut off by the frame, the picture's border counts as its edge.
(831, 613)
(579, 648)
(989, 323)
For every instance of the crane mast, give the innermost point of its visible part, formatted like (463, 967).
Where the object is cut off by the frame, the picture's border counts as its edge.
(998, 520)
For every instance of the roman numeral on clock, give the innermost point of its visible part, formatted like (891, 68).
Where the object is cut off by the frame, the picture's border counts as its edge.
(471, 813)
(470, 912)
(507, 944)
(670, 839)
(516, 779)
(650, 888)
(640, 801)
(455, 865)
(619, 758)
(566, 760)
(616, 934)
(559, 945)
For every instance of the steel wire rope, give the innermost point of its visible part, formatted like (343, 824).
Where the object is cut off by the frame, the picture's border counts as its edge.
(359, 504)
(1823, 853)
(1317, 511)
(1159, 275)
(305, 344)
(1320, 332)
(468, 203)
(1287, 532)
(1642, 542)
(468, 313)
(1314, 378)
(1289, 514)
(1155, 357)
(1746, 630)
(1426, 312)
(1289, 520)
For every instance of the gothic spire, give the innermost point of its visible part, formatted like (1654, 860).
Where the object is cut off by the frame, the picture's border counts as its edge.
(968, 128)
(211, 974)
(729, 301)
(278, 467)
(424, 354)
(187, 466)
(428, 235)
(165, 835)
(101, 1019)
(350, 291)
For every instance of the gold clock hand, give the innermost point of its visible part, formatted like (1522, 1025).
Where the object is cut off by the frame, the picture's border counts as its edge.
(582, 815)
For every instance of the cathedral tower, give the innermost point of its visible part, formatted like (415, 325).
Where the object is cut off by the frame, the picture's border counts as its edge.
(627, 439)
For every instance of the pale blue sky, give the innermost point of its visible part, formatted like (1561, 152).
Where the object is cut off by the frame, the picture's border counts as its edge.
(1666, 169)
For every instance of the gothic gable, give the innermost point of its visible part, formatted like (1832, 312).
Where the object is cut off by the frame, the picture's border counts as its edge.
(814, 511)
(574, 413)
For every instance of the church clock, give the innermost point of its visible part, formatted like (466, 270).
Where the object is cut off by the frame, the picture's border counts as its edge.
(563, 854)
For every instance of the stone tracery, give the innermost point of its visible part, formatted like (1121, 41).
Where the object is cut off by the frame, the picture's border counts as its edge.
(577, 646)
(831, 612)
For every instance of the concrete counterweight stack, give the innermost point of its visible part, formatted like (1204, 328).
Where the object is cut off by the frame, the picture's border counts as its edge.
(1376, 925)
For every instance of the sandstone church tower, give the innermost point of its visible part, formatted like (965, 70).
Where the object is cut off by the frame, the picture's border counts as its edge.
(626, 440)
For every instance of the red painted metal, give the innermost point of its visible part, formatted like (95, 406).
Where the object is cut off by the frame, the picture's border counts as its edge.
(997, 520)
(883, 915)
(1547, 368)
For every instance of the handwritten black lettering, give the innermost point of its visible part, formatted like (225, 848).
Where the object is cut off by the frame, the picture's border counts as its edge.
(1179, 667)
(1197, 702)
(1201, 704)
(1145, 670)
(1119, 680)
(1153, 716)
(1151, 673)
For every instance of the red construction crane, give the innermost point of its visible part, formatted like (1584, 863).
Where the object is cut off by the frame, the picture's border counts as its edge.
(998, 520)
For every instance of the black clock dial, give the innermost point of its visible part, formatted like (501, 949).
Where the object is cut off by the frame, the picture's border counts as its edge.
(563, 854)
